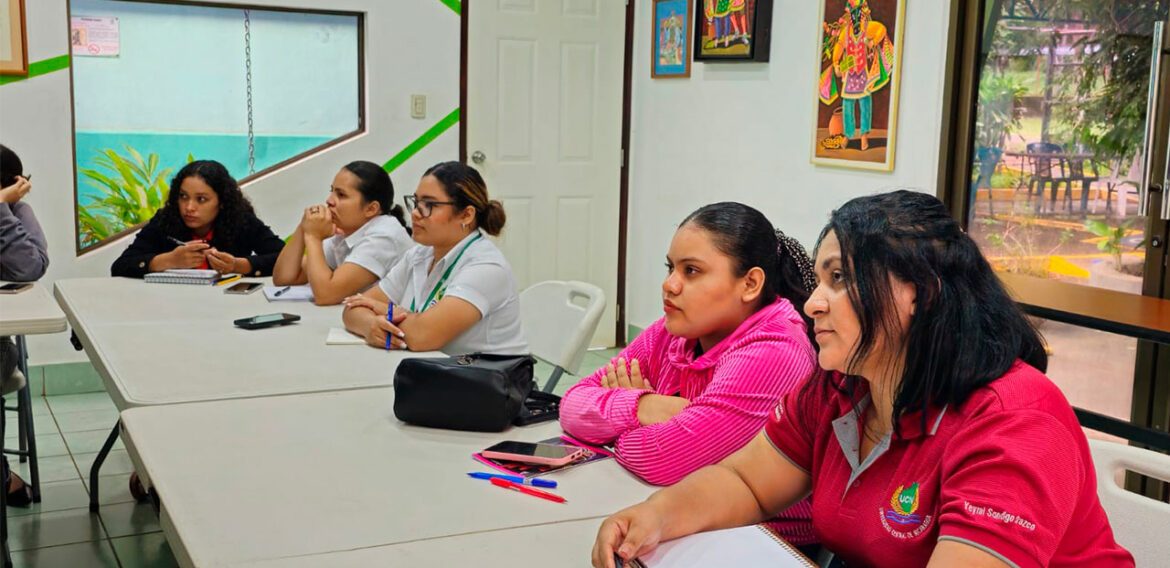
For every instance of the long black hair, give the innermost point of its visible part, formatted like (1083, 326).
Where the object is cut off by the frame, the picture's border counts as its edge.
(965, 331)
(466, 188)
(234, 207)
(374, 184)
(747, 237)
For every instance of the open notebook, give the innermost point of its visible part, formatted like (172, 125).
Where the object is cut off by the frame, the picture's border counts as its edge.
(753, 545)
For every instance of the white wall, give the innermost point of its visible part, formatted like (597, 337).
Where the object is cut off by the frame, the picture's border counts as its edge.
(741, 131)
(412, 46)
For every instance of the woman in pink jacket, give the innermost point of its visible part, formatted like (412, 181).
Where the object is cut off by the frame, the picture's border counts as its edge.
(700, 383)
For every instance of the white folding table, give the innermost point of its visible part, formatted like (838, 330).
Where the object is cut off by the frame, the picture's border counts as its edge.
(157, 344)
(270, 479)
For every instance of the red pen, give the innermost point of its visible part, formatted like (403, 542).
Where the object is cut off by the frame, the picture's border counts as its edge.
(527, 490)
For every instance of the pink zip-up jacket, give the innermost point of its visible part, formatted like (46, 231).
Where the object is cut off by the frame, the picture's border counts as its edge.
(732, 388)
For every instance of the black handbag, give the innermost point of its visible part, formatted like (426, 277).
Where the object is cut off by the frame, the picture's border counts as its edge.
(478, 392)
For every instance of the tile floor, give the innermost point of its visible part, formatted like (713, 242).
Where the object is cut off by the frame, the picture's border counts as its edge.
(61, 532)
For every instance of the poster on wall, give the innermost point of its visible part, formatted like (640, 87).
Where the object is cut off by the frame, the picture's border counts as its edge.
(13, 44)
(733, 30)
(672, 33)
(857, 86)
(93, 37)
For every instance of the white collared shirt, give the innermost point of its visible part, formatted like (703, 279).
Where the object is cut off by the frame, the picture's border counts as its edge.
(376, 246)
(482, 277)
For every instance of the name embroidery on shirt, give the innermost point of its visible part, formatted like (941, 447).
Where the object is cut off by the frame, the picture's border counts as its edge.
(1000, 516)
(901, 519)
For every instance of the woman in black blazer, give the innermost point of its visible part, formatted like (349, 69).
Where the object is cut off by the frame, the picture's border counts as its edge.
(207, 222)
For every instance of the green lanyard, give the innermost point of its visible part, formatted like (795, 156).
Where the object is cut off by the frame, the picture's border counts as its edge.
(443, 280)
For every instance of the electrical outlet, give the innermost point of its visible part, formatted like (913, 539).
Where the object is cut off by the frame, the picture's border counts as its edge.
(418, 106)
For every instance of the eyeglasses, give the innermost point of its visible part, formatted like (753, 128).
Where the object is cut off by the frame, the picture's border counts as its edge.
(425, 206)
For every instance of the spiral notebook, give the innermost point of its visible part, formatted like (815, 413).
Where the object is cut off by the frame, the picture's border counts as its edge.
(183, 276)
(753, 545)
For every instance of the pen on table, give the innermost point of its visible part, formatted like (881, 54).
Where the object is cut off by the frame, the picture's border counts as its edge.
(225, 279)
(536, 482)
(389, 315)
(527, 490)
(282, 290)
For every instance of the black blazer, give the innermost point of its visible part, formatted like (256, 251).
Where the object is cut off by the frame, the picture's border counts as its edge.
(255, 241)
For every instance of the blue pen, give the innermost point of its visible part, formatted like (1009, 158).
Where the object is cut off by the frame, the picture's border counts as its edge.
(535, 482)
(389, 315)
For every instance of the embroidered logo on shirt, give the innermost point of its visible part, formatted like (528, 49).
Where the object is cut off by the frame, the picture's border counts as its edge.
(901, 519)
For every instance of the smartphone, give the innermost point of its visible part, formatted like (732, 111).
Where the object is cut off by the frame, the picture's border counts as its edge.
(528, 452)
(243, 288)
(266, 320)
(15, 287)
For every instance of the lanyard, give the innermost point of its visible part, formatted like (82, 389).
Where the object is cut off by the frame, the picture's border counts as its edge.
(443, 280)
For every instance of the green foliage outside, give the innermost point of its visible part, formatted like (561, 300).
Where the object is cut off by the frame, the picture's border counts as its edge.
(1112, 238)
(132, 189)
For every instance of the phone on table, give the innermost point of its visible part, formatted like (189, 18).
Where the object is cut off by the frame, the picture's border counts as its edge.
(529, 452)
(243, 288)
(15, 287)
(266, 320)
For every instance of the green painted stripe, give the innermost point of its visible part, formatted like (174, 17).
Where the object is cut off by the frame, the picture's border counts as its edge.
(420, 142)
(454, 5)
(39, 68)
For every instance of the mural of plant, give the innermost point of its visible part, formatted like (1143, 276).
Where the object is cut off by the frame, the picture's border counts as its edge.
(131, 188)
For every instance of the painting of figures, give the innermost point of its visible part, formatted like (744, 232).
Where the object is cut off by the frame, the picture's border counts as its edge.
(672, 21)
(732, 30)
(857, 84)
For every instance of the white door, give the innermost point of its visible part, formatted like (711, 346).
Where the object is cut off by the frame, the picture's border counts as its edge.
(544, 110)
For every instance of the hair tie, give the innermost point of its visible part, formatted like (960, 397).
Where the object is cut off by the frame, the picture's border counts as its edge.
(791, 247)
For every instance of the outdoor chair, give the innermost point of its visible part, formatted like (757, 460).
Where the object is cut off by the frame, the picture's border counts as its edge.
(1048, 169)
(1077, 172)
(988, 159)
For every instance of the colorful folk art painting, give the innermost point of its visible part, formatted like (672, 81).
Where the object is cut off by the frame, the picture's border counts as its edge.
(672, 20)
(732, 29)
(857, 83)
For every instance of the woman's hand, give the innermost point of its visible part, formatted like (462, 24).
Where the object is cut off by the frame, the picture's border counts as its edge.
(380, 329)
(629, 533)
(190, 255)
(225, 263)
(362, 301)
(617, 377)
(317, 223)
(16, 191)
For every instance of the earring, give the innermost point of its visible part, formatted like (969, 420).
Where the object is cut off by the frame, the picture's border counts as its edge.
(463, 226)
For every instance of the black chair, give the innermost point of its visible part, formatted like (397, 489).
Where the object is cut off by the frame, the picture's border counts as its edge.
(26, 432)
(1077, 172)
(1048, 169)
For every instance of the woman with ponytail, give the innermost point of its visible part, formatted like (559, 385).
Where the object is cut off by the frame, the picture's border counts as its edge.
(454, 293)
(347, 244)
(699, 383)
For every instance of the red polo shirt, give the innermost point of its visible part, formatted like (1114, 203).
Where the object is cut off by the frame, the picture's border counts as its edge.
(1009, 472)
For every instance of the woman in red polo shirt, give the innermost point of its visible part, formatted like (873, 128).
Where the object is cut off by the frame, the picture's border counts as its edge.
(933, 436)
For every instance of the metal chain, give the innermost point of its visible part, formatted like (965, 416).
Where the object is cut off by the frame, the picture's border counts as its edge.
(248, 78)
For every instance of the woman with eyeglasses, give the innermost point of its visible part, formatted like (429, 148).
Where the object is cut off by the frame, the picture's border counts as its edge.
(455, 293)
(347, 244)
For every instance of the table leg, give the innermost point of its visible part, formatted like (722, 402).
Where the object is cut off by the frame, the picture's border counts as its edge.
(97, 465)
(21, 431)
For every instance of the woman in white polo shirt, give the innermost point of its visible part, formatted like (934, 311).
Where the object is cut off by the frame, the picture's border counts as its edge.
(454, 293)
(346, 245)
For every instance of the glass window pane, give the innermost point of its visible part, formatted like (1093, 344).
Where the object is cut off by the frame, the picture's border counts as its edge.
(179, 85)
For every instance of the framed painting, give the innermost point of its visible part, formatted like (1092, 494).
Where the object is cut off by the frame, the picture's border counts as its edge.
(859, 64)
(672, 32)
(13, 44)
(733, 30)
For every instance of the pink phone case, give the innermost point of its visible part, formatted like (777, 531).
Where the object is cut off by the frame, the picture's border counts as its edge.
(533, 459)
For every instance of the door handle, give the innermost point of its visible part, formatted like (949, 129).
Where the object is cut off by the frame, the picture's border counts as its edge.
(478, 157)
(1151, 117)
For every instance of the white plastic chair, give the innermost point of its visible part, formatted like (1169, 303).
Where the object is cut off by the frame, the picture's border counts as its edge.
(559, 319)
(1139, 523)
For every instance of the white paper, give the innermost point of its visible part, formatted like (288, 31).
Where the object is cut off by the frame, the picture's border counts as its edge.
(743, 546)
(94, 37)
(302, 293)
(192, 272)
(339, 336)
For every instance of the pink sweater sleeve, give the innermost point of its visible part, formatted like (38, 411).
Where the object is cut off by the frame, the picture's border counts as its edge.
(597, 415)
(746, 385)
